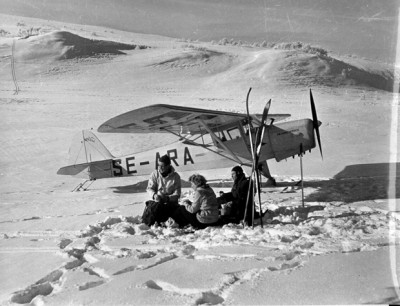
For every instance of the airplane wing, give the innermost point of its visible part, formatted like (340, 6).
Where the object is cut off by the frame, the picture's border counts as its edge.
(160, 118)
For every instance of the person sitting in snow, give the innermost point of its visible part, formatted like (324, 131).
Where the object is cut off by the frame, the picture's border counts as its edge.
(237, 198)
(164, 186)
(203, 211)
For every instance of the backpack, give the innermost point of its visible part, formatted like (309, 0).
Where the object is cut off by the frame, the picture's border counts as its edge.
(154, 212)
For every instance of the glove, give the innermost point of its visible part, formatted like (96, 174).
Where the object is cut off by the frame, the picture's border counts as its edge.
(161, 198)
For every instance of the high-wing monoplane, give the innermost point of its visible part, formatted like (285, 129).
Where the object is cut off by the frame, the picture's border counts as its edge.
(206, 139)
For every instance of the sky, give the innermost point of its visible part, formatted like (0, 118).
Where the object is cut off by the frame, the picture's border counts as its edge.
(366, 28)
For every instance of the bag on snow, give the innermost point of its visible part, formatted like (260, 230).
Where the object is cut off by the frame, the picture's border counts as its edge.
(154, 212)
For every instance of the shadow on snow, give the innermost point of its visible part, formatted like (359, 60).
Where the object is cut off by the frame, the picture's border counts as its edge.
(359, 182)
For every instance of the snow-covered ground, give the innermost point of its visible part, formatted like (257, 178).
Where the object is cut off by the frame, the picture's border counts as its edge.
(60, 247)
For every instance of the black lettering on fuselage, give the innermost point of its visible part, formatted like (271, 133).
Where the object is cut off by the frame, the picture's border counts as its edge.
(173, 155)
(129, 165)
(116, 163)
(157, 158)
(187, 157)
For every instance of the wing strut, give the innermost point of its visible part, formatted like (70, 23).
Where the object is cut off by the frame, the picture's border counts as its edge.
(212, 134)
(234, 158)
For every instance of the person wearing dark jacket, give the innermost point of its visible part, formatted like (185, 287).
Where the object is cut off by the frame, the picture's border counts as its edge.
(203, 211)
(238, 197)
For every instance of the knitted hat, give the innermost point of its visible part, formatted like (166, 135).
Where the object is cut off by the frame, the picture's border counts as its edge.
(165, 159)
(237, 169)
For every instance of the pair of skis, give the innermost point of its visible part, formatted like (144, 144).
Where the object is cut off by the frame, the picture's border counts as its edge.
(255, 148)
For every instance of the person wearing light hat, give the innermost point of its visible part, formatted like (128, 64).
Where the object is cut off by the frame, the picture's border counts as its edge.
(164, 186)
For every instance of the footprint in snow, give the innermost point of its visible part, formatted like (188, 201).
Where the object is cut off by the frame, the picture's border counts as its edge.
(44, 287)
(90, 285)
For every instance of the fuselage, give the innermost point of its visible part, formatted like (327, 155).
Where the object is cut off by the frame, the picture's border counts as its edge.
(229, 146)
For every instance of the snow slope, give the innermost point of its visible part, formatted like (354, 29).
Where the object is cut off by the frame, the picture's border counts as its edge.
(59, 247)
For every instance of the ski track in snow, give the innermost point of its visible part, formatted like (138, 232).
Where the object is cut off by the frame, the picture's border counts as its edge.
(291, 234)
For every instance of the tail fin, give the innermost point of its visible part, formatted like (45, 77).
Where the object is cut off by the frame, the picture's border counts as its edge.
(88, 158)
(87, 148)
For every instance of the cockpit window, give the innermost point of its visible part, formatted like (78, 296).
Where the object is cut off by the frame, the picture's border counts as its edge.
(233, 133)
(221, 135)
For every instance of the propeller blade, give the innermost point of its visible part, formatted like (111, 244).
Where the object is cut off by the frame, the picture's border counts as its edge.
(316, 123)
(265, 112)
(261, 130)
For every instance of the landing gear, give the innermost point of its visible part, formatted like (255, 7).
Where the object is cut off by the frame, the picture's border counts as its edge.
(264, 169)
(81, 185)
(271, 182)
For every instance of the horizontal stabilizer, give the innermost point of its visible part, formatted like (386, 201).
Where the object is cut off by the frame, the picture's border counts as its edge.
(93, 170)
(73, 170)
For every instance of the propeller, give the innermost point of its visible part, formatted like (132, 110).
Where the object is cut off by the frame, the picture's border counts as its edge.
(316, 123)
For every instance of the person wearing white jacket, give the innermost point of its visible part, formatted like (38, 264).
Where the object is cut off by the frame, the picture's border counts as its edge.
(165, 183)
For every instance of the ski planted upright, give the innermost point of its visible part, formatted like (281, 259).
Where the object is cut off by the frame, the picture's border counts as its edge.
(250, 191)
(255, 148)
(257, 151)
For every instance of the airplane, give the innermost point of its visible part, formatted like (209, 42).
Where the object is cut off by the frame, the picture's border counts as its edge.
(207, 139)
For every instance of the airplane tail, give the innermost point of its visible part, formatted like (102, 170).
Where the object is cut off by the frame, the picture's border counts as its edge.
(87, 148)
(88, 158)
